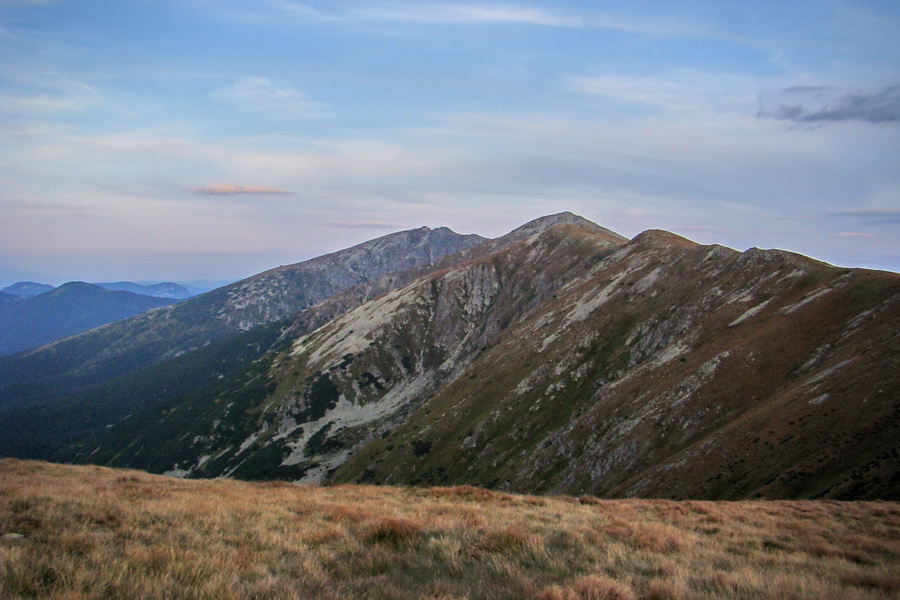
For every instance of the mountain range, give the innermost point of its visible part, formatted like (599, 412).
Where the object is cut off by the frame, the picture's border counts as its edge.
(560, 358)
(81, 384)
(168, 289)
(69, 309)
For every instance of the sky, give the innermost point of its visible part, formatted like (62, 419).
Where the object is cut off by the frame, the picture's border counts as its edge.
(208, 140)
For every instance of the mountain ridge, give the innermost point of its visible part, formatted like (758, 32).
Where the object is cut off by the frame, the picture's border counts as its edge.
(166, 289)
(523, 351)
(559, 358)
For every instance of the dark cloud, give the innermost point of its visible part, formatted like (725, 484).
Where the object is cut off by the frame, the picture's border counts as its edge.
(820, 104)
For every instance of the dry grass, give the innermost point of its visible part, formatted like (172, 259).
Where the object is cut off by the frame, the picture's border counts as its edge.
(89, 532)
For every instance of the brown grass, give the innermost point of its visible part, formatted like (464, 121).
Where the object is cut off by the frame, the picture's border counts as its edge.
(89, 532)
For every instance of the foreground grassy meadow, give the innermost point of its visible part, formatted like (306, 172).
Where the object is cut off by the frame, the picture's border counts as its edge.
(83, 532)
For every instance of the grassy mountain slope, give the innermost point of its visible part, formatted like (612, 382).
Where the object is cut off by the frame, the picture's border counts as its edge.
(674, 370)
(572, 361)
(69, 309)
(91, 533)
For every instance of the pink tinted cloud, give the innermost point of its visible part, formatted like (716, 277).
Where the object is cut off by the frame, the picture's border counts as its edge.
(228, 189)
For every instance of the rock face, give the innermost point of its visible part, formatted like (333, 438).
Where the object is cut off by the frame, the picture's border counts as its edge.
(565, 358)
(284, 291)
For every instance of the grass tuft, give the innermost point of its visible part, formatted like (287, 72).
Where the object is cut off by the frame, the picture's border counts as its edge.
(394, 532)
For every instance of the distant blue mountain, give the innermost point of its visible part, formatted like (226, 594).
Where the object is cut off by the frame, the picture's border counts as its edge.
(27, 289)
(159, 290)
(69, 309)
(6, 298)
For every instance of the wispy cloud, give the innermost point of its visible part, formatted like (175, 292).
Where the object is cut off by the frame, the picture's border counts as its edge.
(715, 94)
(867, 212)
(823, 104)
(468, 14)
(52, 97)
(700, 228)
(482, 13)
(272, 98)
(633, 90)
(869, 216)
(25, 2)
(367, 225)
(846, 234)
(228, 189)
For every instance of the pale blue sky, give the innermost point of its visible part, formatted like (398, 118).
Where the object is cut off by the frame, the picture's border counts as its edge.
(201, 139)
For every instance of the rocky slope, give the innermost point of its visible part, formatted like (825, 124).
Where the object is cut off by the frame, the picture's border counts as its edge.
(569, 359)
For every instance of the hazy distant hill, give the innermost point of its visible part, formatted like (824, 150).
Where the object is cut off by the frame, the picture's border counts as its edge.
(159, 290)
(27, 289)
(167, 289)
(4, 298)
(570, 360)
(64, 311)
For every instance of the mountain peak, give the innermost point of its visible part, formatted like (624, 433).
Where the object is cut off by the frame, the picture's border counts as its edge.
(27, 288)
(661, 237)
(564, 218)
(71, 286)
